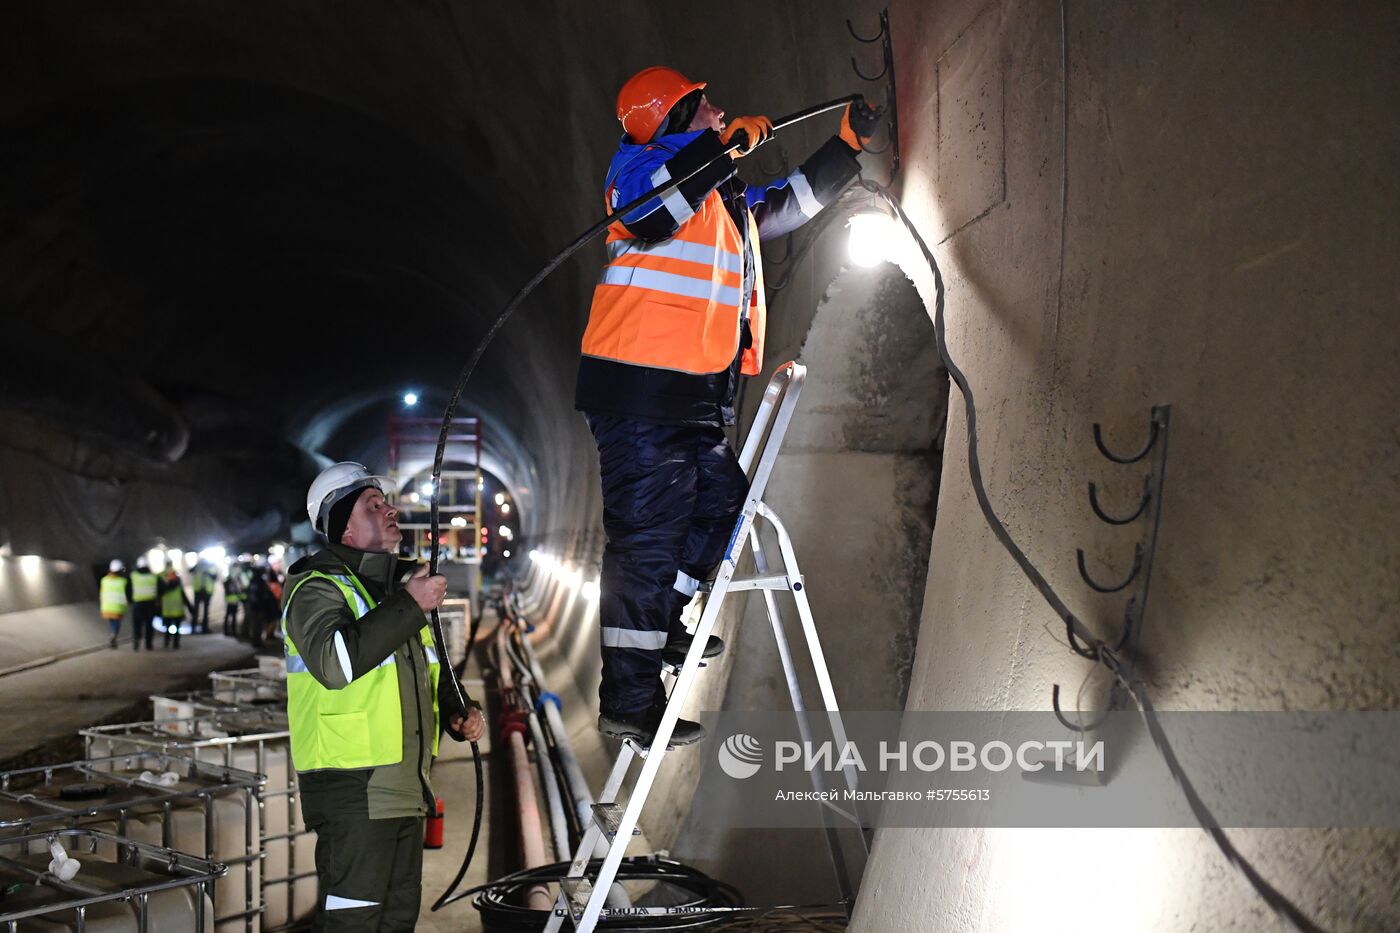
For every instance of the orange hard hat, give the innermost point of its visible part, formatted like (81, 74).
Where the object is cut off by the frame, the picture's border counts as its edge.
(648, 96)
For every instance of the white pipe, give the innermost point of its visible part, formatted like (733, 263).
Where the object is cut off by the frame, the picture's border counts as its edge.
(557, 822)
(574, 779)
(527, 805)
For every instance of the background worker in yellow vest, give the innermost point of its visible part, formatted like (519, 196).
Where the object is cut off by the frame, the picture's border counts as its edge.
(173, 604)
(678, 317)
(111, 598)
(235, 593)
(202, 583)
(364, 691)
(143, 590)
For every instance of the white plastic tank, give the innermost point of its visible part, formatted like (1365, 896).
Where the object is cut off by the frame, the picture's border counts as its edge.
(248, 741)
(159, 801)
(173, 910)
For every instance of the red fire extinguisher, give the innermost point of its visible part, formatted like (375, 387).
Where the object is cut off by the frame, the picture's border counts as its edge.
(432, 831)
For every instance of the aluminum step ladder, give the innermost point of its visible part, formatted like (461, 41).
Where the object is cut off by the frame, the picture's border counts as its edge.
(581, 898)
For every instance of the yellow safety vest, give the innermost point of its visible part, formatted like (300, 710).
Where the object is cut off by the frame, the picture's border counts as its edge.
(143, 586)
(361, 724)
(112, 595)
(172, 603)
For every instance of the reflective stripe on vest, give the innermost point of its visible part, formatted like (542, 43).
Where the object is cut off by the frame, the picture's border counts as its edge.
(143, 587)
(676, 304)
(361, 724)
(111, 595)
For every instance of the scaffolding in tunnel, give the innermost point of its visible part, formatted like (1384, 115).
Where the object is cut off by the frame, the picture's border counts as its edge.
(459, 491)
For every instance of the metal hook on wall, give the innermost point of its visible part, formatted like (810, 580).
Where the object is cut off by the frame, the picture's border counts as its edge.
(1105, 517)
(1099, 587)
(787, 252)
(885, 73)
(850, 27)
(860, 74)
(1147, 448)
(1059, 714)
(782, 168)
(1144, 549)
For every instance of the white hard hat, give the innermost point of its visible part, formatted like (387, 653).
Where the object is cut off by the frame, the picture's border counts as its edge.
(142, 563)
(114, 567)
(335, 483)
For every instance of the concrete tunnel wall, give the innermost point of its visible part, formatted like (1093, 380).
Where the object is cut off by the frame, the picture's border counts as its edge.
(1228, 248)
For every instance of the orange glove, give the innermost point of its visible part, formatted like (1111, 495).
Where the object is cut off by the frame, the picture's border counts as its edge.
(756, 131)
(859, 123)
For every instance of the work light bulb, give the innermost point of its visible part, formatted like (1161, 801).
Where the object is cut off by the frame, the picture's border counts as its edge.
(874, 238)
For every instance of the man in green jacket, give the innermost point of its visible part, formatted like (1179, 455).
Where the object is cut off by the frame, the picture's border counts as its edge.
(364, 690)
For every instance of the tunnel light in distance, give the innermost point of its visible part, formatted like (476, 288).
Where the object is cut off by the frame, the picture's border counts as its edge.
(410, 399)
(505, 553)
(215, 554)
(500, 498)
(426, 490)
(414, 497)
(505, 532)
(30, 564)
(459, 522)
(874, 238)
(505, 508)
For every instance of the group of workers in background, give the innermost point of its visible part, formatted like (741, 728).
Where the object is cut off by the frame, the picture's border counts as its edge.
(159, 601)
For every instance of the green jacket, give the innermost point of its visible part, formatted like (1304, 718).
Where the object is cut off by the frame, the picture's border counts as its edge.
(317, 614)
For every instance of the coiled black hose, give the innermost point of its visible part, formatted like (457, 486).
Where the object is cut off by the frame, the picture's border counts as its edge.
(697, 891)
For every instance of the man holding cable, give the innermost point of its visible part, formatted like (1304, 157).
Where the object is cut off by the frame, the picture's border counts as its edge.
(364, 689)
(677, 318)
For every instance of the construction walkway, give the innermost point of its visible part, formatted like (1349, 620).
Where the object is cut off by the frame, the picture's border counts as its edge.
(58, 675)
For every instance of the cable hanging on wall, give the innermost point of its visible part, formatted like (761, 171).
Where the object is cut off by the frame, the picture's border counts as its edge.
(1082, 639)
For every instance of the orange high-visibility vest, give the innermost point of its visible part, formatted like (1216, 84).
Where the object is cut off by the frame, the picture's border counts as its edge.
(675, 304)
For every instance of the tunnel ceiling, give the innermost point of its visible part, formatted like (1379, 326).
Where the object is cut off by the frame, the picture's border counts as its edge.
(239, 231)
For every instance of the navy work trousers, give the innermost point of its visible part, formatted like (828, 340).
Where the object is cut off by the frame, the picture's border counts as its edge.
(671, 497)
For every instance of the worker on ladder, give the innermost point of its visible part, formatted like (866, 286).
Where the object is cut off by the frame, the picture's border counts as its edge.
(112, 598)
(364, 690)
(677, 317)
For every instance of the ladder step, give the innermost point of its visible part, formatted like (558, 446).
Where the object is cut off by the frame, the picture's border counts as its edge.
(608, 816)
(675, 669)
(575, 893)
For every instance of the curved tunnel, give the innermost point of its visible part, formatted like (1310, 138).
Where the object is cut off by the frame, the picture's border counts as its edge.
(235, 235)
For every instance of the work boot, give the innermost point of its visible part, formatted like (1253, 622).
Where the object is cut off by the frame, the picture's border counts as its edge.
(641, 727)
(678, 646)
(114, 641)
(678, 640)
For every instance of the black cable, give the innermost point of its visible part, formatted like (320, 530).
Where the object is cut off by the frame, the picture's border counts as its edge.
(445, 898)
(1093, 648)
(701, 892)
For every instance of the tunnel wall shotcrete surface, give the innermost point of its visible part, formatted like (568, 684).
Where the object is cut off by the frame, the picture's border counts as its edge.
(1227, 242)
